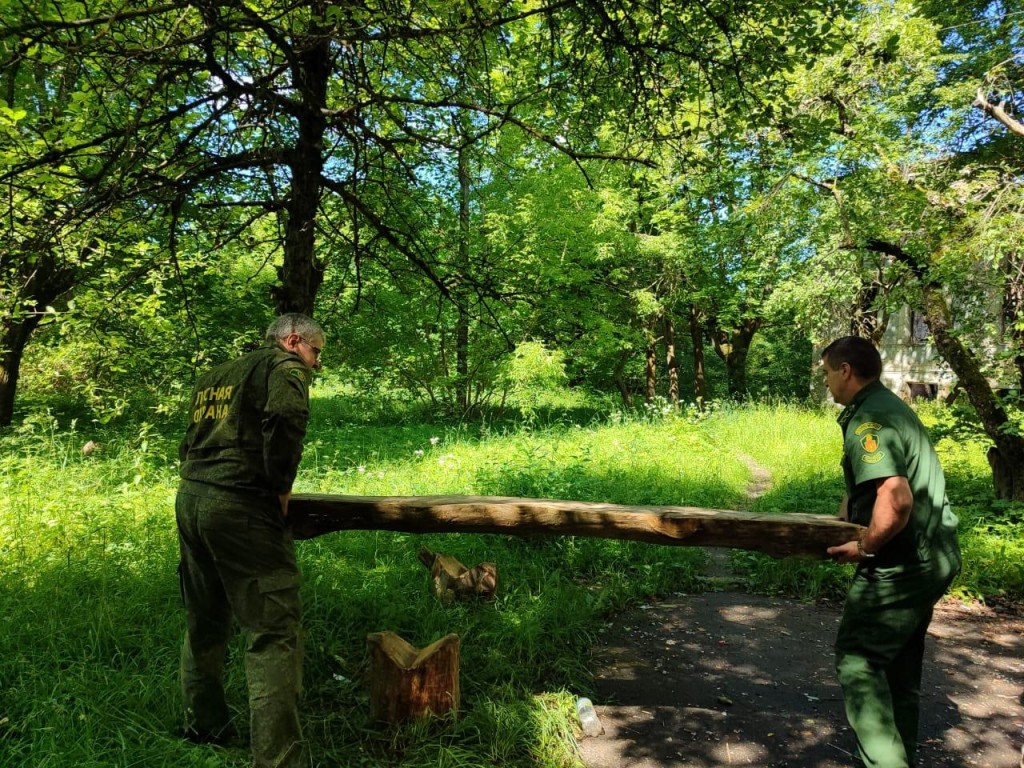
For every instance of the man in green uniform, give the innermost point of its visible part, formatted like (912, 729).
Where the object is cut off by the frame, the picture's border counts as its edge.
(906, 558)
(241, 451)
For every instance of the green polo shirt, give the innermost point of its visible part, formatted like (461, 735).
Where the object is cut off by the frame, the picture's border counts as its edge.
(882, 437)
(247, 421)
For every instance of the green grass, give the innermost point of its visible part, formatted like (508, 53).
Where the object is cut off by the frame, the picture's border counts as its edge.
(991, 531)
(88, 656)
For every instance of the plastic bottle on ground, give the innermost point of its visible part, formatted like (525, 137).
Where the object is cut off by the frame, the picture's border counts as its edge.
(589, 720)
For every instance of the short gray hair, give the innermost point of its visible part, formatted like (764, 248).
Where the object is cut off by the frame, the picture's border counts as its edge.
(294, 322)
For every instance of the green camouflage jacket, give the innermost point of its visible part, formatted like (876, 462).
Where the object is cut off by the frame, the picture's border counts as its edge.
(247, 422)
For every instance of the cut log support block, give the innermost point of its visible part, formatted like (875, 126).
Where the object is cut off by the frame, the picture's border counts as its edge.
(779, 535)
(454, 580)
(409, 683)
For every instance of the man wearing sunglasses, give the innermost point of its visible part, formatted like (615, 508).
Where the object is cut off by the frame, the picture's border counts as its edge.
(246, 423)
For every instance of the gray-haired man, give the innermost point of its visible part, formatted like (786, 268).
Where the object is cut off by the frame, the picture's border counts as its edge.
(241, 451)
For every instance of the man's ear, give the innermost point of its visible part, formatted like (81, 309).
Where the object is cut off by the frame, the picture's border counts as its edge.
(291, 341)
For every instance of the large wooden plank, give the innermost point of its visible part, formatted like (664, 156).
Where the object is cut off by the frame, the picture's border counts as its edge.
(780, 535)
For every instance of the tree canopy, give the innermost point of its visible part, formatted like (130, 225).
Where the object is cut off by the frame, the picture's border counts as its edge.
(617, 186)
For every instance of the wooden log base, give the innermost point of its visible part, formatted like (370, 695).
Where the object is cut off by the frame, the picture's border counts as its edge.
(409, 683)
(454, 580)
(779, 535)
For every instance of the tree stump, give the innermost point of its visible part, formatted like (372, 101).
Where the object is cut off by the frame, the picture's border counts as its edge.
(452, 579)
(409, 683)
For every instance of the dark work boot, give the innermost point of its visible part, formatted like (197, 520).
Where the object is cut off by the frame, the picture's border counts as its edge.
(220, 737)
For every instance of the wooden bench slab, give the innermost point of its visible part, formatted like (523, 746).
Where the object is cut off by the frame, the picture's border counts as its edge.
(778, 535)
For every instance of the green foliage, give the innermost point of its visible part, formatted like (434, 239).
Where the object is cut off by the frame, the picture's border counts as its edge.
(955, 422)
(533, 376)
(992, 540)
(991, 530)
(138, 356)
(382, 164)
(451, 228)
(780, 362)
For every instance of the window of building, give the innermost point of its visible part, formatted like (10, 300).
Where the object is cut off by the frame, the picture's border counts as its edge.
(919, 330)
(920, 390)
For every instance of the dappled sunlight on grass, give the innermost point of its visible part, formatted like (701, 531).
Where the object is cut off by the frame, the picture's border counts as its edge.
(794, 444)
(665, 463)
(993, 556)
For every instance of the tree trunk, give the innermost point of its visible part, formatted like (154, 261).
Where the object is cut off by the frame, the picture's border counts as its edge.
(700, 389)
(459, 295)
(1006, 457)
(1013, 310)
(12, 348)
(671, 362)
(619, 375)
(301, 272)
(866, 321)
(733, 346)
(651, 355)
(736, 374)
(407, 683)
(45, 282)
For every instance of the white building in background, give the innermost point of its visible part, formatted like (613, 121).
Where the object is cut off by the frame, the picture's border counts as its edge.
(911, 365)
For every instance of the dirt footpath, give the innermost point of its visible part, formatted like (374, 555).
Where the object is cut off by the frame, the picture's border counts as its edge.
(727, 678)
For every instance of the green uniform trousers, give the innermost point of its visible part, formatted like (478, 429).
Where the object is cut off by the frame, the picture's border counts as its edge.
(879, 655)
(238, 558)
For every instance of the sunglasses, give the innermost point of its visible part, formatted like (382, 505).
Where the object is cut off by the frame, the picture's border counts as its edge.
(316, 350)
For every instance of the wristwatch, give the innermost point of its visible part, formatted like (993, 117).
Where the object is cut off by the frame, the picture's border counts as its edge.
(861, 551)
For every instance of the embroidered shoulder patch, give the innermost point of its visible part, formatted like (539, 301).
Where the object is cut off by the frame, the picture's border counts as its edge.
(869, 442)
(298, 373)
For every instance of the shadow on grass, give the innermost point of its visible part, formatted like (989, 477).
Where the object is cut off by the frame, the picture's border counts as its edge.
(88, 662)
(356, 409)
